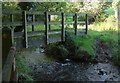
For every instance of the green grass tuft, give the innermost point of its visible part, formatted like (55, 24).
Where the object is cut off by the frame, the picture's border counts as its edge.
(24, 71)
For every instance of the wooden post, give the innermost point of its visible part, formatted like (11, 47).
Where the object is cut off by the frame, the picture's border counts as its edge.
(63, 31)
(86, 22)
(75, 24)
(12, 18)
(12, 30)
(74, 20)
(49, 17)
(25, 30)
(33, 20)
(12, 35)
(15, 74)
(46, 28)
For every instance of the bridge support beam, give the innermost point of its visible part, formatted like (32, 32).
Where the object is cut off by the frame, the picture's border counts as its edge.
(86, 23)
(46, 28)
(25, 29)
(63, 30)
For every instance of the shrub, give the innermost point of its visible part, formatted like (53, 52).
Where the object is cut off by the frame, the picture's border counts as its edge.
(75, 48)
(24, 77)
(80, 48)
(57, 51)
(81, 55)
(70, 44)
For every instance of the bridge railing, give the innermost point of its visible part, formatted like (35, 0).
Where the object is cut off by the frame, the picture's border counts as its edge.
(24, 22)
(9, 72)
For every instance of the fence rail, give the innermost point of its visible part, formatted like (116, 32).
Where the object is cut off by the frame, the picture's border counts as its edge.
(9, 70)
(47, 22)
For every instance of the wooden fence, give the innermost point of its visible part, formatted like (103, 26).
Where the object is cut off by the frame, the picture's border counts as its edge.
(12, 24)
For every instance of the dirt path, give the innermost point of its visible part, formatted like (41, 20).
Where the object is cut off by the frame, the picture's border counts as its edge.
(103, 53)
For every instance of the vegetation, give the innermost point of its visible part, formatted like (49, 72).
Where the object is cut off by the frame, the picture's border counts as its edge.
(57, 51)
(104, 26)
(78, 48)
(75, 48)
(24, 71)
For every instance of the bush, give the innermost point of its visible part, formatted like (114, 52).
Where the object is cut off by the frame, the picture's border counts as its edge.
(82, 55)
(56, 51)
(75, 48)
(80, 48)
(24, 77)
(70, 44)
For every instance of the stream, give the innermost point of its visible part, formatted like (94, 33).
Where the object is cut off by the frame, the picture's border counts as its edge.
(53, 70)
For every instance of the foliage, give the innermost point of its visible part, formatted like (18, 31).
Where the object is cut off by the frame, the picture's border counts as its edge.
(10, 6)
(115, 3)
(24, 71)
(109, 23)
(109, 11)
(75, 48)
(27, 5)
(110, 39)
(51, 6)
(95, 8)
(56, 51)
(80, 48)
(24, 77)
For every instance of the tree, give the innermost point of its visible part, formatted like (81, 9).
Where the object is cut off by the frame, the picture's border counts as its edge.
(10, 5)
(27, 5)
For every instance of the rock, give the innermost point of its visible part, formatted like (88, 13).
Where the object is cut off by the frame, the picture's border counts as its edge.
(100, 73)
(94, 61)
(64, 64)
(42, 50)
(67, 60)
(106, 53)
(103, 72)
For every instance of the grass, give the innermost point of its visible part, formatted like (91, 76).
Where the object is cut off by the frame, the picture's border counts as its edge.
(86, 44)
(110, 23)
(24, 71)
(107, 32)
(42, 27)
(25, 59)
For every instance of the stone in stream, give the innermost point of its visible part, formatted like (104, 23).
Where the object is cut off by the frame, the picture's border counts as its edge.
(100, 73)
(39, 50)
(42, 50)
(67, 60)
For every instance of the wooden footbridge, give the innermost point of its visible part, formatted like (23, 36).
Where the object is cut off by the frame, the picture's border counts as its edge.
(17, 31)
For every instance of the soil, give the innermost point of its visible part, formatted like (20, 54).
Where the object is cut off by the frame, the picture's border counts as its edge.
(103, 52)
(44, 69)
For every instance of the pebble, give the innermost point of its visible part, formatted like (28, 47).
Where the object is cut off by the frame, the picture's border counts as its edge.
(42, 51)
